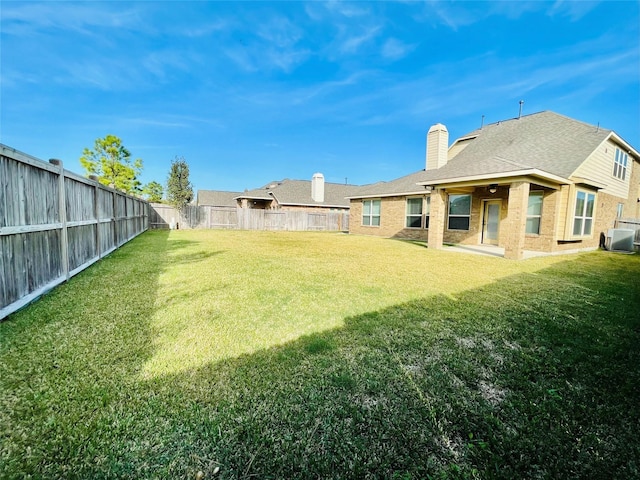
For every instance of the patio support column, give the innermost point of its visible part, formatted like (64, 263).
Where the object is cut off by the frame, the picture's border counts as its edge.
(516, 221)
(436, 218)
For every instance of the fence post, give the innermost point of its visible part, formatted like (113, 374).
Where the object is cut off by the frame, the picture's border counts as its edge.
(62, 213)
(96, 213)
(114, 198)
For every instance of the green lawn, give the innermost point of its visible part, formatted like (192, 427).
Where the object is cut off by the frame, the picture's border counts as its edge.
(304, 355)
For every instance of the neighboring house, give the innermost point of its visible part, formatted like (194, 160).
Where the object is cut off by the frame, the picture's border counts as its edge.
(542, 182)
(315, 195)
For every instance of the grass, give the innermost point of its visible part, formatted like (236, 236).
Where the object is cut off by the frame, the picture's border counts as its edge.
(297, 355)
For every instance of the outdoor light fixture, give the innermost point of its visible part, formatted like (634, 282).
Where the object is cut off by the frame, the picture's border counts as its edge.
(493, 188)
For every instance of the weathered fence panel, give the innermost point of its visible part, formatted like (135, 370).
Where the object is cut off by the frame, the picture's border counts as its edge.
(165, 216)
(54, 224)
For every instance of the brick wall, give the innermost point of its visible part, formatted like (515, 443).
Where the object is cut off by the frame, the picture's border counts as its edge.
(605, 215)
(392, 220)
(547, 238)
(631, 205)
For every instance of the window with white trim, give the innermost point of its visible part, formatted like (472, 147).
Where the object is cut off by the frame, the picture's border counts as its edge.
(459, 212)
(620, 164)
(371, 213)
(414, 213)
(583, 215)
(534, 213)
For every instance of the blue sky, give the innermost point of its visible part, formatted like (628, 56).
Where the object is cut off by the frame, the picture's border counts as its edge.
(253, 92)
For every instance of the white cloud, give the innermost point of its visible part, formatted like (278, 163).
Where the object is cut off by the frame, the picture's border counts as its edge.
(153, 122)
(346, 9)
(167, 121)
(105, 75)
(30, 18)
(256, 58)
(394, 49)
(574, 10)
(241, 56)
(353, 43)
(451, 15)
(195, 31)
(161, 63)
(487, 82)
(459, 15)
(275, 45)
(286, 60)
(279, 32)
(304, 95)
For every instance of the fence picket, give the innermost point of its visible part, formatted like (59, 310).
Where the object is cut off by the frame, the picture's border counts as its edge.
(236, 218)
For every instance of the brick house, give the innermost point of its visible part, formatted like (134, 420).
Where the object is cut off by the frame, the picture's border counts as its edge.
(315, 195)
(542, 182)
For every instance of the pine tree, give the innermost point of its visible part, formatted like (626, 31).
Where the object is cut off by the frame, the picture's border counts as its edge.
(179, 189)
(153, 191)
(111, 162)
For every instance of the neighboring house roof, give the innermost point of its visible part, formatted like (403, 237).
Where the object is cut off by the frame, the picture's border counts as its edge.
(298, 192)
(543, 144)
(261, 193)
(217, 198)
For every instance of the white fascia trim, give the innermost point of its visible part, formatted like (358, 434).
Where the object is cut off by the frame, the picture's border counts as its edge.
(625, 144)
(248, 197)
(463, 139)
(588, 181)
(397, 194)
(321, 205)
(533, 172)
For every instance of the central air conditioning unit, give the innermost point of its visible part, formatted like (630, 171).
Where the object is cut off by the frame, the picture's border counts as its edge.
(620, 239)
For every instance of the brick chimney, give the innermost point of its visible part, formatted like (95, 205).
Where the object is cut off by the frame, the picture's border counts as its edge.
(317, 187)
(437, 146)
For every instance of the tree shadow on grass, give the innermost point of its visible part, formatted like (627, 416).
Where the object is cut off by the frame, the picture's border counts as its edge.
(532, 376)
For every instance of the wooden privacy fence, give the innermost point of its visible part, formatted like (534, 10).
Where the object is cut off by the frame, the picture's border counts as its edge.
(54, 224)
(165, 216)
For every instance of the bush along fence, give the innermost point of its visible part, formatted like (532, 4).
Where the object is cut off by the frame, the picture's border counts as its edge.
(165, 216)
(54, 224)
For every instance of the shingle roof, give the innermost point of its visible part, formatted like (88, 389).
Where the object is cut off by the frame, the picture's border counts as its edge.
(545, 141)
(298, 192)
(217, 198)
(403, 185)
